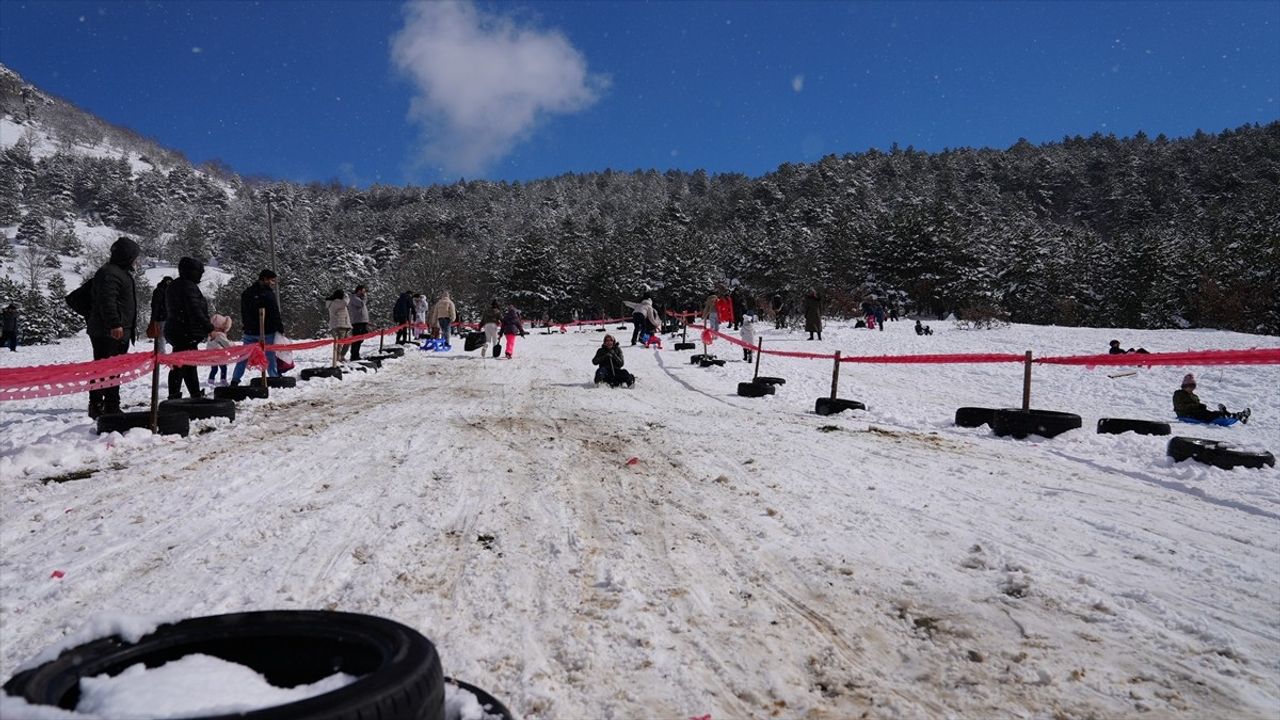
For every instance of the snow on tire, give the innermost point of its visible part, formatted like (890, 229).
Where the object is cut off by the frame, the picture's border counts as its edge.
(1116, 426)
(168, 422)
(972, 417)
(1217, 453)
(398, 669)
(752, 389)
(1021, 423)
(767, 380)
(832, 406)
(202, 408)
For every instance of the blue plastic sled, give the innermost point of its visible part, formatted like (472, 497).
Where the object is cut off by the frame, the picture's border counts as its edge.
(1223, 421)
(436, 344)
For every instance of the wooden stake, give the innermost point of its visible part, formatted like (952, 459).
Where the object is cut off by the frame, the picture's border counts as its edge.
(262, 340)
(835, 376)
(155, 386)
(1026, 383)
(759, 347)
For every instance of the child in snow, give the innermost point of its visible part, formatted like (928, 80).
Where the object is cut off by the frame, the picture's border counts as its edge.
(608, 362)
(218, 339)
(1187, 405)
(748, 335)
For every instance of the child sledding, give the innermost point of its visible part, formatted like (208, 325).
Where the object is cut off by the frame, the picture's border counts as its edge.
(1188, 408)
(608, 362)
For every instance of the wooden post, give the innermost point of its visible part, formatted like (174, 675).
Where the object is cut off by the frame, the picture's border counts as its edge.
(1026, 383)
(835, 376)
(262, 340)
(381, 335)
(759, 347)
(155, 385)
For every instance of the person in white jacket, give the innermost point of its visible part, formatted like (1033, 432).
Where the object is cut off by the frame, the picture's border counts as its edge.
(339, 323)
(420, 308)
(218, 339)
(444, 314)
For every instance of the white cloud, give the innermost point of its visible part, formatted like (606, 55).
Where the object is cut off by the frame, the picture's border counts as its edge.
(482, 83)
(797, 83)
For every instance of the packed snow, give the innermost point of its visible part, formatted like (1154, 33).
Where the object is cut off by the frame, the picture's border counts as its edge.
(675, 550)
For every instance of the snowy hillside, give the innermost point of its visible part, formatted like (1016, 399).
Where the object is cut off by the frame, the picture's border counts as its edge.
(675, 550)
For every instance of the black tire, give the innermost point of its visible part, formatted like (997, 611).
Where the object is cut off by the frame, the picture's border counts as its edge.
(767, 380)
(370, 363)
(399, 669)
(381, 357)
(750, 389)
(972, 417)
(168, 422)
(695, 359)
(393, 351)
(321, 372)
(828, 406)
(1116, 426)
(202, 408)
(241, 392)
(685, 346)
(1021, 423)
(491, 705)
(284, 381)
(1217, 453)
(709, 361)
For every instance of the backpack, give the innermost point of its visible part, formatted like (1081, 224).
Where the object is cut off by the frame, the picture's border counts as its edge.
(81, 299)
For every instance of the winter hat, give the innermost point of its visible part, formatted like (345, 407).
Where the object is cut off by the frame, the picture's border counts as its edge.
(1188, 379)
(221, 323)
(267, 274)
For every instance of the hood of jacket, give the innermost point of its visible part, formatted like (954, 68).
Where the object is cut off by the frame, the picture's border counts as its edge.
(123, 252)
(190, 269)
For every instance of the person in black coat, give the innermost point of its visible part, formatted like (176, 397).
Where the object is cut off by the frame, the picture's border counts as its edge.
(779, 312)
(113, 318)
(159, 307)
(402, 312)
(260, 296)
(188, 324)
(10, 328)
(608, 362)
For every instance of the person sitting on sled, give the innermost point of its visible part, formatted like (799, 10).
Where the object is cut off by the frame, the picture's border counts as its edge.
(1115, 349)
(1187, 405)
(608, 362)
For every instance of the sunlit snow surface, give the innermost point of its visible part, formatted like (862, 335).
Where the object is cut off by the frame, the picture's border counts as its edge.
(754, 560)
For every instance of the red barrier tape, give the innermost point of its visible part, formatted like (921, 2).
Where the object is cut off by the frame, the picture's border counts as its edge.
(1253, 356)
(49, 380)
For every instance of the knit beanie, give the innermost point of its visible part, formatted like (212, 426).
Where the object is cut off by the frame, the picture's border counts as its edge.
(1188, 379)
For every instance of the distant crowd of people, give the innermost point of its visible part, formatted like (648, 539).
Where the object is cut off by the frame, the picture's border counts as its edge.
(180, 315)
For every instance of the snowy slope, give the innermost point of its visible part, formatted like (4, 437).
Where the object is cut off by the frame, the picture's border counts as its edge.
(756, 560)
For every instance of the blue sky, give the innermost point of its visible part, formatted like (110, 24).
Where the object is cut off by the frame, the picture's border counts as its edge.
(391, 92)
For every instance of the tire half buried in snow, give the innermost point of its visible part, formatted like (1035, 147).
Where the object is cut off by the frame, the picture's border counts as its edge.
(398, 669)
(1021, 423)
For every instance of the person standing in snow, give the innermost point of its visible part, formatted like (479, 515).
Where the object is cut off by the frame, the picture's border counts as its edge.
(738, 303)
(512, 325)
(813, 313)
(490, 320)
(113, 318)
(188, 324)
(260, 298)
(779, 312)
(880, 315)
(218, 340)
(748, 336)
(608, 362)
(649, 317)
(711, 311)
(637, 324)
(1187, 405)
(9, 329)
(401, 314)
(339, 322)
(420, 308)
(444, 313)
(358, 309)
(159, 310)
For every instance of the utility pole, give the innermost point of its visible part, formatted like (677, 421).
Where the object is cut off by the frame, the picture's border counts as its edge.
(271, 232)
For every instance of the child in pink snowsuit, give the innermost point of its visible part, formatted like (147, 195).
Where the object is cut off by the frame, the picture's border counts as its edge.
(512, 326)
